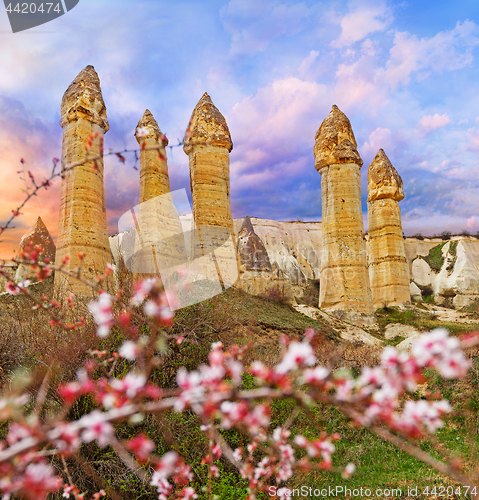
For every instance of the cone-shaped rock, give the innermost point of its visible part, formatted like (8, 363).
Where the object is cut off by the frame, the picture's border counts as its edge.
(388, 271)
(82, 226)
(251, 250)
(207, 127)
(37, 235)
(344, 279)
(159, 241)
(208, 144)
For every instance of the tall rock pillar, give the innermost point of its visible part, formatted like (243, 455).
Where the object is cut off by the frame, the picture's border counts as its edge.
(208, 144)
(388, 272)
(344, 279)
(159, 242)
(82, 226)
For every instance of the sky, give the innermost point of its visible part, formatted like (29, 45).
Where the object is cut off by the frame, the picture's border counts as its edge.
(405, 73)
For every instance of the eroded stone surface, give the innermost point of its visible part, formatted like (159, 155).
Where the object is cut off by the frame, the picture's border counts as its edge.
(421, 272)
(82, 226)
(383, 179)
(207, 127)
(344, 280)
(37, 235)
(208, 144)
(388, 269)
(415, 291)
(335, 142)
(399, 330)
(252, 253)
(159, 242)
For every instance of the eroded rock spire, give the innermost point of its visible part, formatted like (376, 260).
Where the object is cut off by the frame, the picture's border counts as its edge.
(159, 242)
(208, 144)
(344, 279)
(82, 226)
(388, 272)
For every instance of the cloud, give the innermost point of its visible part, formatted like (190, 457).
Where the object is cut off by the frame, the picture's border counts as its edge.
(273, 133)
(36, 142)
(428, 123)
(448, 50)
(307, 62)
(254, 24)
(356, 85)
(473, 137)
(361, 21)
(381, 138)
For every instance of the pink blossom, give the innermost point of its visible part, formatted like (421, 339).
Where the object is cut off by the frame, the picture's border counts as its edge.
(298, 354)
(39, 480)
(101, 310)
(131, 384)
(316, 375)
(69, 440)
(13, 289)
(348, 471)
(129, 350)
(141, 446)
(96, 428)
(142, 290)
(142, 131)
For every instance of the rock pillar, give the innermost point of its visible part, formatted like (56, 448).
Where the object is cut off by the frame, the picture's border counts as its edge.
(344, 279)
(82, 226)
(388, 271)
(159, 242)
(208, 144)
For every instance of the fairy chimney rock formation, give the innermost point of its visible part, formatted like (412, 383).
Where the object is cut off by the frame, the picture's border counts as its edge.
(82, 226)
(388, 271)
(159, 242)
(208, 144)
(251, 250)
(344, 279)
(37, 235)
(154, 179)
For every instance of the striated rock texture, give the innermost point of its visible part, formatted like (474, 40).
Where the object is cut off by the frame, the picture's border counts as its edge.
(251, 251)
(82, 226)
(158, 232)
(458, 279)
(208, 144)
(154, 179)
(388, 268)
(344, 280)
(39, 235)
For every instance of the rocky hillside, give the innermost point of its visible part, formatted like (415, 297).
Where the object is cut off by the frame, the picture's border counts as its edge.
(288, 255)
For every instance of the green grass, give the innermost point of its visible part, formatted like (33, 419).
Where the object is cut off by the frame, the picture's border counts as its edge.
(434, 258)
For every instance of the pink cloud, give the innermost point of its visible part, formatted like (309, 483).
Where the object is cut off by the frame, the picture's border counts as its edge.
(281, 115)
(471, 222)
(381, 138)
(473, 137)
(428, 123)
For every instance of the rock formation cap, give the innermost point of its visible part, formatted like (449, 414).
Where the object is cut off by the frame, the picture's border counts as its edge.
(83, 99)
(335, 142)
(207, 126)
(383, 179)
(150, 126)
(38, 234)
